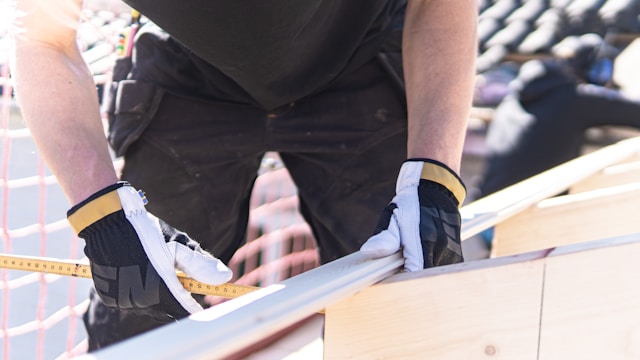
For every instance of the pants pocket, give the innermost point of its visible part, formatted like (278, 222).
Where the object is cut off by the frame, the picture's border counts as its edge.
(134, 104)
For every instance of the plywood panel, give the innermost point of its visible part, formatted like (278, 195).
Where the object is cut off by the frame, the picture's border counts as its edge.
(569, 219)
(591, 302)
(485, 309)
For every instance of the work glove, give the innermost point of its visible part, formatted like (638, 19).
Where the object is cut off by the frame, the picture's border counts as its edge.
(423, 218)
(134, 255)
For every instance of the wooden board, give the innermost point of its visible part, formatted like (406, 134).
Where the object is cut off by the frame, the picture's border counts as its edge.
(611, 176)
(591, 299)
(569, 219)
(484, 309)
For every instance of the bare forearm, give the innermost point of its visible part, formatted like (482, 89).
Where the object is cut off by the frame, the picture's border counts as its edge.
(59, 103)
(439, 52)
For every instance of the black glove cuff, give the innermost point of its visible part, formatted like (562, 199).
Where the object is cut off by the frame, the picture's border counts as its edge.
(427, 186)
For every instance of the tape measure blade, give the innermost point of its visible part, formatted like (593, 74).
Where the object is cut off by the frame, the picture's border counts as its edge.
(225, 290)
(74, 268)
(44, 265)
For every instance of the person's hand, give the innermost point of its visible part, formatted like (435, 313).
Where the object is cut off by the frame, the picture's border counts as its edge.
(134, 255)
(423, 218)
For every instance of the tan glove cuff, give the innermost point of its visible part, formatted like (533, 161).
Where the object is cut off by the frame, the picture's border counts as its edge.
(97, 206)
(442, 175)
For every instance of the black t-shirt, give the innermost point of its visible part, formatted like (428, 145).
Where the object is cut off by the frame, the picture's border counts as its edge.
(264, 52)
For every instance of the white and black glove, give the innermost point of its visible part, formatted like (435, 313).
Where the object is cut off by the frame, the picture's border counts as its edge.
(423, 218)
(134, 255)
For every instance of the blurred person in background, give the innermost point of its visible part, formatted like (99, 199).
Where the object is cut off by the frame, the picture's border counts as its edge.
(543, 120)
(207, 89)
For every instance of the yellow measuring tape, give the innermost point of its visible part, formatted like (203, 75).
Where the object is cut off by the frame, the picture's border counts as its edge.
(71, 268)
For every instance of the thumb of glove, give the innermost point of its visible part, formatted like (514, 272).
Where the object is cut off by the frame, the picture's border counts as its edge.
(386, 238)
(191, 259)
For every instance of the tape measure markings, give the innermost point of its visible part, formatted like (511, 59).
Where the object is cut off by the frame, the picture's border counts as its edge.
(70, 268)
